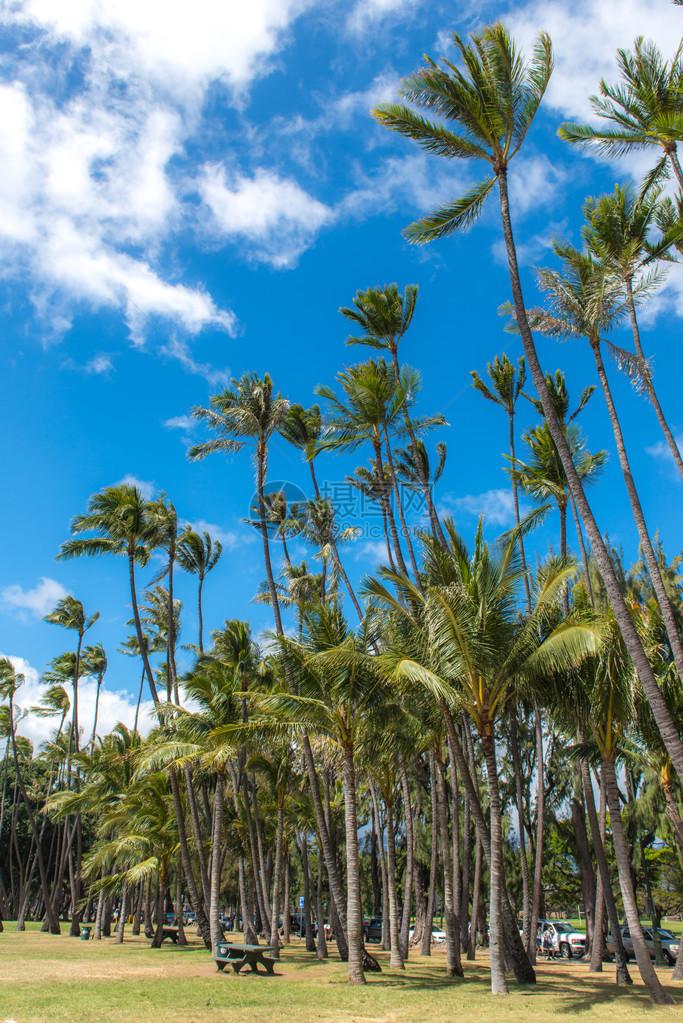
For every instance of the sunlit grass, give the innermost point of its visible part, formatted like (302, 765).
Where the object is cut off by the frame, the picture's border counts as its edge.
(58, 979)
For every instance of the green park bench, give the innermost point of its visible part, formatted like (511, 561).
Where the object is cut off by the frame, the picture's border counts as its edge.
(243, 955)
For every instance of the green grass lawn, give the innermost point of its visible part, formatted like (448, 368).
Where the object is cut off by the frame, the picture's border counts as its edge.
(58, 979)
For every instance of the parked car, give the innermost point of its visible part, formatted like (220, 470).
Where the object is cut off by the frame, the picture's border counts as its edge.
(565, 940)
(372, 929)
(670, 944)
(437, 934)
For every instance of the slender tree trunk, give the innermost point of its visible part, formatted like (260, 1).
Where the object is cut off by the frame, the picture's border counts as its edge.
(386, 499)
(426, 949)
(472, 945)
(639, 518)
(178, 905)
(302, 843)
(453, 962)
(199, 613)
(197, 830)
(647, 379)
(647, 971)
(354, 918)
(401, 516)
(123, 909)
(582, 545)
(396, 960)
(321, 945)
(524, 863)
(498, 982)
(142, 644)
(216, 841)
(578, 812)
(622, 975)
(540, 821)
(408, 886)
(197, 904)
(386, 938)
(277, 878)
(665, 723)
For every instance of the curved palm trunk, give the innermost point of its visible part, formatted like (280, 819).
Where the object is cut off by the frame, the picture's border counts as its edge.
(665, 723)
(216, 864)
(472, 943)
(409, 868)
(453, 962)
(424, 483)
(261, 461)
(197, 903)
(97, 707)
(302, 844)
(396, 960)
(402, 519)
(524, 863)
(515, 501)
(521, 964)
(336, 889)
(582, 545)
(277, 878)
(540, 824)
(386, 939)
(597, 833)
(386, 502)
(199, 613)
(639, 518)
(197, 830)
(498, 982)
(123, 910)
(647, 971)
(578, 812)
(354, 920)
(426, 949)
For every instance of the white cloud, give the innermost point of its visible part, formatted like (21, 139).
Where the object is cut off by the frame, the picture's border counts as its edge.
(586, 36)
(275, 215)
(371, 553)
(113, 707)
(38, 601)
(99, 364)
(495, 505)
(367, 13)
(145, 487)
(180, 423)
(661, 453)
(163, 40)
(229, 538)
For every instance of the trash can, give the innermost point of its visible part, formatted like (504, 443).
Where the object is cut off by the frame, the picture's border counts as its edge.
(85, 933)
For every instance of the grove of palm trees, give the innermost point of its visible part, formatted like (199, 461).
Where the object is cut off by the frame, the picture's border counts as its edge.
(417, 762)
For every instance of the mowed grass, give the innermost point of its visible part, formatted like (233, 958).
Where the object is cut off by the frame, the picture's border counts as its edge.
(58, 979)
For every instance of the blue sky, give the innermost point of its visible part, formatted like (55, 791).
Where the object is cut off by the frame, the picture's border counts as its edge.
(183, 200)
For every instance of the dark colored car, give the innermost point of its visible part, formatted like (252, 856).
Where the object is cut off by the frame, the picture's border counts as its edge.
(372, 929)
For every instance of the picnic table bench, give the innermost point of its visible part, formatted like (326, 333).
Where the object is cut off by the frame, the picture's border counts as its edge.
(243, 955)
(172, 933)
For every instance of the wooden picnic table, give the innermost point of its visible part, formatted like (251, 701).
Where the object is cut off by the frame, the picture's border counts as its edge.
(243, 955)
(172, 933)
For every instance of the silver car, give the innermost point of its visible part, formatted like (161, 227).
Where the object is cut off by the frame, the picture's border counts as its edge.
(670, 943)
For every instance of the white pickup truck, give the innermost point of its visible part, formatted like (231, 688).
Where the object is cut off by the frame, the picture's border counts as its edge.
(565, 940)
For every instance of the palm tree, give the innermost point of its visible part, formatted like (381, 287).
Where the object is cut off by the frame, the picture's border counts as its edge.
(617, 232)
(493, 100)
(339, 686)
(119, 518)
(645, 108)
(384, 316)
(198, 555)
(96, 664)
(584, 303)
(247, 415)
(69, 613)
(474, 646)
(304, 429)
(507, 382)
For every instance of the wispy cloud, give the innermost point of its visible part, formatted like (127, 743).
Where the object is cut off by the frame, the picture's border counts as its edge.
(230, 538)
(146, 487)
(36, 602)
(495, 505)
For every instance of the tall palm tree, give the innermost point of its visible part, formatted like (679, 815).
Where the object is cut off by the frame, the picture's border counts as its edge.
(384, 316)
(583, 302)
(339, 686)
(96, 664)
(119, 518)
(645, 108)
(304, 429)
(247, 414)
(198, 555)
(617, 232)
(493, 100)
(474, 646)
(69, 613)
